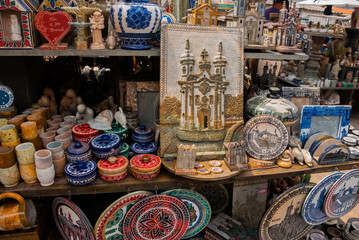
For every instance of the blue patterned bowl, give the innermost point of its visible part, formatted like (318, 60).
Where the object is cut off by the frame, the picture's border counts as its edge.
(79, 152)
(81, 173)
(106, 142)
(143, 134)
(144, 148)
(112, 153)
(136, 22)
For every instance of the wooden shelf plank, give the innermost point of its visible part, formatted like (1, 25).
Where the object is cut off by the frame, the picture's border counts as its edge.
(339, 88)
(271, 55)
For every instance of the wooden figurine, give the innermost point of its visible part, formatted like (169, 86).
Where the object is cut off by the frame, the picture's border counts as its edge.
(186, 157)
(97, 21)
(235, 155)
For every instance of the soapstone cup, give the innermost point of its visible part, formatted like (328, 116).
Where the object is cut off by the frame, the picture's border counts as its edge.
(68, 123)
(10, 177)
(57, 150)
(7, 157)
(65, 130)
(8, 133)
(25, 153)
(71, 118)
(36, 141)
(43, 159)
(59, 166)
(54, 123)
(65, 139)
(29, 130)
(47, 137)
(46, 176)
(28, 173)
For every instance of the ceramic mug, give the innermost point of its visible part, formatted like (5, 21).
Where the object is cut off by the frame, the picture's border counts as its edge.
(57, 150)
(65, 139)
(8, 134)
(10, 177)
(28, 173)
(25, 153)
(43, 159)
(59, 166)
(7, 157)
(47, 137)
(16, 215)
(29, 130)
(46, 176)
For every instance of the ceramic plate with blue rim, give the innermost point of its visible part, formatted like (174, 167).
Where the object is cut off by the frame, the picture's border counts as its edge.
(144, 148)
(6, 97)
(105, 142)
(312, 210)
(198, 207)
(343, 196)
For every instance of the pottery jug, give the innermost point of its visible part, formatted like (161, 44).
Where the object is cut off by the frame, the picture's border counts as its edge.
(136, 22)
(16, 214)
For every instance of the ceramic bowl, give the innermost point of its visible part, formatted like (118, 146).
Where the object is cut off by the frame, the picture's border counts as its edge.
(143, 134)
(81, 173)
(144, 148)
(106, 142)
(54, 123)
(46, 176)
(113, 169)
(79, 152)
(113, 178)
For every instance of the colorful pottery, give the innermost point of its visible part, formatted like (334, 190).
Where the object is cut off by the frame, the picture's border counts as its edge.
(57, 149)
(198, 207)
(43, 159)
(9, 177)
(28, 172)
(283, 219)
(166, 18)
(312, 210)
(215, 163)
(113, 169)
(46, 176)
(7, 157)
(6, 94)
(136, 22)
(83, 133)
(106, 142)
(25, 153)
(216, 170)
(343, 195)
(8, 134)
(144, 148)
(125, 150)
(156, 217)
(79, 152)
(38, 120)
(65, 139)
(117, 129)
(145, 176)
(143, 134)
(81, 173)
(47, 137)
(71, 221)
(217, 196)
(145, 163)
(16, 214)
(198, 165)
(109, 224)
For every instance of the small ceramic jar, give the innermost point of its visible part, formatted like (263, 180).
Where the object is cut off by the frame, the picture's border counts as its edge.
(46, 176)
(10, 177)
(17, 121)
(29, 130)
(59, 166)
(69, 124)
(65, 131)
(145, 166)
(81, 173)
(25, 153)
(28, 173)
(57, 150)
(79, 152)
(65, 139)
(113, 169)
(125, 150)
(83, 133)
(58, 117)
(8, 134)
(47, 137)
(36, 141)
(7, 157)
(118, 129)
(43, 159)
(143, 134)
(54, 123)
(106, 145)
(144, 148)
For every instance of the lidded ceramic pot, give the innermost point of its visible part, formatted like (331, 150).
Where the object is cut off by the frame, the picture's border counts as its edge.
(125, 150)
(274, 105)
(113, 169)
(117, 129)
(106, 145)
(143, 134)
(144, 148)
(83, 133)
(81, 173)
(145, 166)
(131, 116)
(79, 152)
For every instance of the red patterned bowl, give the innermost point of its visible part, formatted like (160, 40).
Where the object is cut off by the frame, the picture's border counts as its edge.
(83, 133)
(113, 178)
(145, 163)
(145, 176)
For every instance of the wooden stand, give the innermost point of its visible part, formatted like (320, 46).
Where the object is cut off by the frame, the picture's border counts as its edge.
(182, 172)
(48, 46)
(81, 45)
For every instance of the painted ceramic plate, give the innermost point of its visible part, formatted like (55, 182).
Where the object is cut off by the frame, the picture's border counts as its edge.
(283, 219)
(6, 97)
(343, 196)
(156, 217)
(217, 196)
(71, 221)
(266, 137)
(198, 207)
(109, 224)
(313, 138)
(312, 210)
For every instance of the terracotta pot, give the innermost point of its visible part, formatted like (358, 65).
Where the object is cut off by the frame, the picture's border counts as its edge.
(25, 153)
(57, 150)
(9, 177)
(7, 157)
(59, 167)
(46, 176)
(29, 130)
(12, 144)
(8, 134)
(16, 214)
(54, 123)
(47, 137)
(69, 124)
(57, 117)
(36, 141)
(17, 121)
(65, 139)
(28, 173)
(43, 159)
(65, 130)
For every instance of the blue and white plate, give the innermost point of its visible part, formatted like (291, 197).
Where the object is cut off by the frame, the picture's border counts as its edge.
(312, 210)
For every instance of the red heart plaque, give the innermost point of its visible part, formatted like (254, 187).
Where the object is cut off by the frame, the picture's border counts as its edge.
(53, 26)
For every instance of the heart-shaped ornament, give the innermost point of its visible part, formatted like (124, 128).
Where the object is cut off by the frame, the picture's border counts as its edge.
(53, 25)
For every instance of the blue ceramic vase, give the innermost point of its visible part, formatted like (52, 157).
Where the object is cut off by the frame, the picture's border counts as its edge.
(136, 22)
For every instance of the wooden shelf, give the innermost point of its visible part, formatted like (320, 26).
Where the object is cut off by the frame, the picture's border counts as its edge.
(339, 88)
(164, 181)
(271, 55)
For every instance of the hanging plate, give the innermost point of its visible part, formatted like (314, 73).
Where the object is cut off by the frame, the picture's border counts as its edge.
(6, 97)
(217, 196)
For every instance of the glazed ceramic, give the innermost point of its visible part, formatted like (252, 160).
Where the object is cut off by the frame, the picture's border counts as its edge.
(7, 157)
(136, 22)
(43, 159)
(29, 130)
(145, 176)
(8, 134)
(28, 172)
(65, 139)
(106, 145)
(144, 148)
(113, 169)
(16, 214)
(142, 134)
(47, 137)
(117, 129)
(64, 130)
(16, 121)
(145, 166)
(81, 173)
(79, 152)
(68, 123)
(57, 149)
(10, 177)
(83, 133)
(59, 166)
(25, 153)
(125, 150)
(46, 176)
(12, 144)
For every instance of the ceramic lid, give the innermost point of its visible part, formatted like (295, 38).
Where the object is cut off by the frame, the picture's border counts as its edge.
(124, 149)
(81, 169)
(145, 163)
(113, 165)
(84, 130)
(106, 142)
(143, 134)
(143, 148)
(78, 148)
(274, 105)
(117, 129)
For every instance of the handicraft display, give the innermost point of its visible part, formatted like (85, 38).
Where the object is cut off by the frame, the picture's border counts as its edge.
(283, 220)
(203, 14)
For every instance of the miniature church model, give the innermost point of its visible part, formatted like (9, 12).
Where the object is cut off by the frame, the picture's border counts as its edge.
(186, 157)
(235, 156)
(203, 13)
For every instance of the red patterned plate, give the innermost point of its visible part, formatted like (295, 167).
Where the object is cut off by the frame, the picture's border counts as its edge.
(145, 163)
(156, 217)
(84, 131)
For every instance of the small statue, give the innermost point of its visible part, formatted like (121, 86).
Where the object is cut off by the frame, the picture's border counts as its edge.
(335, 71)
(111, 41)
(120, 118)
(97, 21)
(235, 155)
(103, 121)
(15, 29)
(68, 102)
(84, 113)
(48, 100)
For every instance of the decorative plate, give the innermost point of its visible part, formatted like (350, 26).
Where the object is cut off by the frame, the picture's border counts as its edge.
(203, 171)
(312, 138)
(283, 219)
(198, 207)
(198, 165)
(266, 137)
(337, 153)
(317, 143)
(354, 137)
(105, 142)
(156, 217)
(216, 170)
(109, 224)
(84, 130)
(71, 221)
(312, 210)
(217, 196)
(140, 164)
(343, 196)
(144, 148)
(6, 97)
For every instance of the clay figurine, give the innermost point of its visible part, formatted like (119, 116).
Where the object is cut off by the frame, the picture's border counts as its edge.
(111, 40)
(235, 155)
(120, 118)
(84, 113)
(307, 158)
(335, 71)
(97, 21)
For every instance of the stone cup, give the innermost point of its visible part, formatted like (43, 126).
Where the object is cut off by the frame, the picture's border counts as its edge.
(8, 134)
(68, 123)
(52, 129)
(54, 123)
(12, 144)
(57, 117)
(17, 121)
(25, 153)
(43, 159)
(46, 176)
(57, 150)
(36, 141)
(28, 173)
(65, 139)
(71, 118)
(10, 177)
(60, 166)
(29, 130)
(7, 157)
(47, 137)
(65, 130)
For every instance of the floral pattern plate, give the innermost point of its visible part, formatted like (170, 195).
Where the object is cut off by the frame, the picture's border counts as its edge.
(109, 224)
(217, 196)
(198, 207)
(156, 217)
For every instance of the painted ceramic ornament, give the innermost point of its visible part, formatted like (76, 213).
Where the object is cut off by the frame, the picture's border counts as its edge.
(204, 171)
(84, 133)
(343, 196)
(103, 121)
(136, 22)
(81, 173)
(216, 170)
(337, 153)
(71, 221)
(156, 217)
(144, 148)
(49, 5)
(198, 165)
(165, 19)
(106, 145)
(113, 169)
(217, 196)
(198, 207)
(109, 224)
(266, 137)
(53, 26)
(283, 219)
(312, 210)
(120, 118)
(78, 152)
(215, 163)
(143, 134)
(6, 96)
